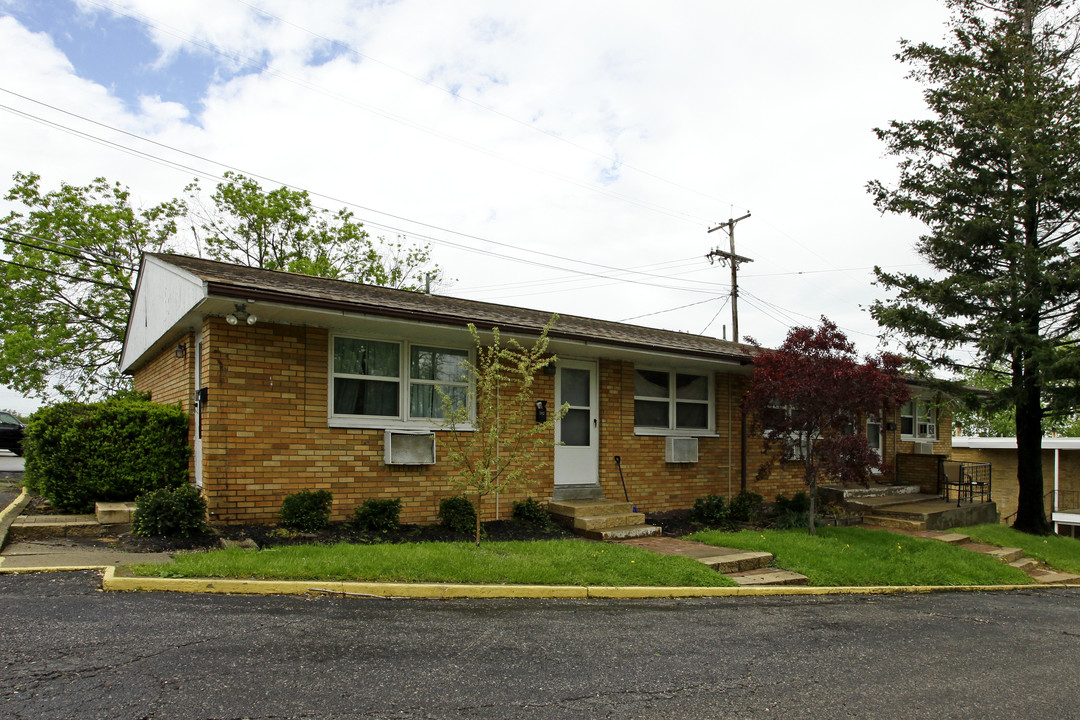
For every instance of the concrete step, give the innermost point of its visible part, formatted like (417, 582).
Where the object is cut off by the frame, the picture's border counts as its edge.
(894, 523)
(737, 561)
(1003, 554)
(768, 576)
(600, 522)
(591, 508)
(35, 527)
(1026, 564)
(1054, 577)
(114, 513)
(840, 493)
(622, 532)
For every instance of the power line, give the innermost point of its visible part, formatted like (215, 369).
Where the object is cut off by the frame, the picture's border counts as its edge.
(48, 271)
(391, 228)
(248, 61)
(718, 311)
(288, 185)
(82, 258)
(681, 307)
(486, 108)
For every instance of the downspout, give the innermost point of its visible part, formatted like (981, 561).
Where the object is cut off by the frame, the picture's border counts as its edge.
(1057, 478)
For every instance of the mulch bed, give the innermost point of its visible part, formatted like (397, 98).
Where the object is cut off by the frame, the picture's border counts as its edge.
(272, 535)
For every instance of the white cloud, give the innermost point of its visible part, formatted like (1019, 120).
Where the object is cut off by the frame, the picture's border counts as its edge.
(706, 108)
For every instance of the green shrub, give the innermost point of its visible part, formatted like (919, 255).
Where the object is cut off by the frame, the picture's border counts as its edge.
(307, 510)
(377, 515)
(746, 506)
(180, 512)
(116, 450)
(798, 503)
(458, 514)
(532, 511)
(792, 512)
(711, 510)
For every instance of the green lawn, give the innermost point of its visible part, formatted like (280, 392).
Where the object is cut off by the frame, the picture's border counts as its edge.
(549, 562)
(1060, 553)
(854, 556)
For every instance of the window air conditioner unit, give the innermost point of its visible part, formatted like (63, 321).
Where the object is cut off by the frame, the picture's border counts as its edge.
(680, 450)
(924, 448)
(402, 447)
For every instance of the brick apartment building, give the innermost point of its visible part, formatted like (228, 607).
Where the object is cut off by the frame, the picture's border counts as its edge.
(297, 382)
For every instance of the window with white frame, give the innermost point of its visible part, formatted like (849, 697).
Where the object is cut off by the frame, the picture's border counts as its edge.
(380, 380)
(918, 420)
(777, 416)
(672, 401)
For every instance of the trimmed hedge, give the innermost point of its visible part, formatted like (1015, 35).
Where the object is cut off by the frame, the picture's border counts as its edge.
(116, 450)
(170, 513)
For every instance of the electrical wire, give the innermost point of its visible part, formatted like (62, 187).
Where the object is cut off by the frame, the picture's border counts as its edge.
(718, 311)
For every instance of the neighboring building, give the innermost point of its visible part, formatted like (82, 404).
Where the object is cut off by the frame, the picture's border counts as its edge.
(1061, 476)
(305, 382)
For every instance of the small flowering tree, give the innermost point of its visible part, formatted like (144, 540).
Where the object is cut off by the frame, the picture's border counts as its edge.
(806, 396)
(503, 448)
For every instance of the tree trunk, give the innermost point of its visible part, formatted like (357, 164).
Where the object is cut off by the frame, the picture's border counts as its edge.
(811, 484)
(1030, 512)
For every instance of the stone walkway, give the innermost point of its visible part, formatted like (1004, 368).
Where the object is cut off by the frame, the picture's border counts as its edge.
(1014, 556)
(745, 567)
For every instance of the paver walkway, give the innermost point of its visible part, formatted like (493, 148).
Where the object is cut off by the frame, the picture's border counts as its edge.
(746, 567)
(1014, 556)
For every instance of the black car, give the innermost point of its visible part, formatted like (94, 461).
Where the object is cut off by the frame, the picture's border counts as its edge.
(11, 433)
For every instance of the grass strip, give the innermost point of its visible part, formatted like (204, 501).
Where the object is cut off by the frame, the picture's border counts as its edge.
(548, 562)
(1060, 553)
(841, 556)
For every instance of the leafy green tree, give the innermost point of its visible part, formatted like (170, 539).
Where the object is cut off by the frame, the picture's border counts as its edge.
(68, 282)
(281, 230)
(502, 451)
(990, 415)
(72, 255)
(994, 174)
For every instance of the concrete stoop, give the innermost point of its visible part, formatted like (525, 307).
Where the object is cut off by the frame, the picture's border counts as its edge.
(599, 519)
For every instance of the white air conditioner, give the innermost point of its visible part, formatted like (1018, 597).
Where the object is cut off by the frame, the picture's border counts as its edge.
(404, 447)
(680, 450)
(924, 448)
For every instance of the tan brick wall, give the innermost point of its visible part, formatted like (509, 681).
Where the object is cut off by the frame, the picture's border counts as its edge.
(652, 483)
(266, 434)
(1003, 466)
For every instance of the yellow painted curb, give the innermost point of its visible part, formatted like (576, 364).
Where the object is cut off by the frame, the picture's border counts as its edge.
(112, 581)
(14, 504)
(66, 568)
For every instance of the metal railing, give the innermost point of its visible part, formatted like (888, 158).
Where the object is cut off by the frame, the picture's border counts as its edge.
(966, 481)
(1067, 501)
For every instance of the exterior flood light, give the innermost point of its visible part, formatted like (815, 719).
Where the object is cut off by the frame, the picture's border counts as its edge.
(241, 315)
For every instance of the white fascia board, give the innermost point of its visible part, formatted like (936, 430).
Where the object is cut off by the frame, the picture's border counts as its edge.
(164, 295)
(1009, 443)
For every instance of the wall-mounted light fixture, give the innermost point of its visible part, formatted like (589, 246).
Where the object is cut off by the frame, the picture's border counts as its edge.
(181, 350)
(241, 315)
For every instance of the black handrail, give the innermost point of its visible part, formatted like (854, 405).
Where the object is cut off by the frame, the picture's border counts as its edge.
(971, 481)
(1005, 520)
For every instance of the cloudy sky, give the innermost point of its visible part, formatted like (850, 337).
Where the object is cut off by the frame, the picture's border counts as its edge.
(566, 156)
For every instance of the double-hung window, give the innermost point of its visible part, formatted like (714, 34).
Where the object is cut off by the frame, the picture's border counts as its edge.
(392, 383)
(672, 401)
(918, 420)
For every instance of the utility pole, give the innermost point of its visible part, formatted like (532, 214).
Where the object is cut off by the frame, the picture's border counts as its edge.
(734, 260)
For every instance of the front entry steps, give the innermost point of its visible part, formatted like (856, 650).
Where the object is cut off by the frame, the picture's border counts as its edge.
(905, 508)
(599, 519)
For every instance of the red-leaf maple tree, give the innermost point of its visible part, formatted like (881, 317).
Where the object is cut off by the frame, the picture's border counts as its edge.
(807, 398)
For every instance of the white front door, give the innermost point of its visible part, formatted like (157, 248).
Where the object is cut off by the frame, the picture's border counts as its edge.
(577, 434)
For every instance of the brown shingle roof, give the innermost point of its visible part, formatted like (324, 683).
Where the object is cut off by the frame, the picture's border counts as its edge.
(224, 279)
